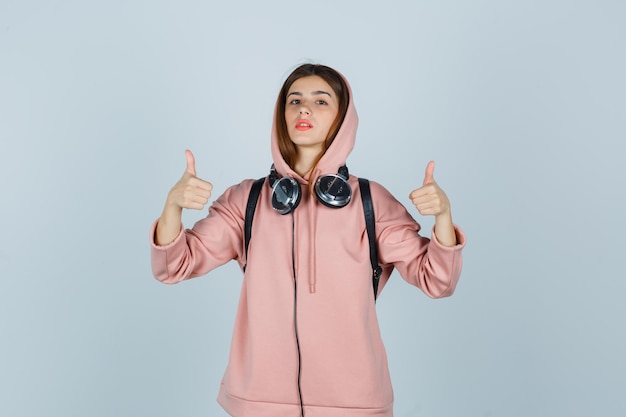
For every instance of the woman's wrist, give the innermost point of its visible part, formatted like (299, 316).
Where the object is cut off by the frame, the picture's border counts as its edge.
(444, 229)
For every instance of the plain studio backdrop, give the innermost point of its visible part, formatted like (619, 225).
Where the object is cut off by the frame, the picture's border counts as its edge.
(521, 104)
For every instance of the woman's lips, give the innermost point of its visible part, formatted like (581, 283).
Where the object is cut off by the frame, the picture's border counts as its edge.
(303, 125)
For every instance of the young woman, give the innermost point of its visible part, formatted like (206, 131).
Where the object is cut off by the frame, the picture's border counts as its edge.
(306, 340)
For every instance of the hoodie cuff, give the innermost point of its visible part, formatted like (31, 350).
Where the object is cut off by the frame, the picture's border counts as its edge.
(460, 240)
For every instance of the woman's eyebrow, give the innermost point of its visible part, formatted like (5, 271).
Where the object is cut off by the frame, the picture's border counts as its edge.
(314, 93)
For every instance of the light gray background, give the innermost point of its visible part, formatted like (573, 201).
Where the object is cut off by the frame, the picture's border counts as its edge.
(521, 104)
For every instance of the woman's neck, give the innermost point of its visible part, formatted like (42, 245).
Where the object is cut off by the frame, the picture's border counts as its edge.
(305, 161)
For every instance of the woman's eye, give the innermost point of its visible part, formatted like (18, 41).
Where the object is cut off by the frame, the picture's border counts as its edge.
(321, 102)
(294, 101)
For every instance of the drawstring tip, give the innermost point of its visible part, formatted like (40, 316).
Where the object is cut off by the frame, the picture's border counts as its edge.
(312, 288)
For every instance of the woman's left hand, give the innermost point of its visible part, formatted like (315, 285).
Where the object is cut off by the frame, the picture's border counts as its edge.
(429, 199)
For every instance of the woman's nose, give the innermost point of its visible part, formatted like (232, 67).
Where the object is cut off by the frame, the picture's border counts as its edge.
(304, 110)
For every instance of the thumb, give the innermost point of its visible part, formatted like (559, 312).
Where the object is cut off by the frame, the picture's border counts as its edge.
(430, 170)
(191, 163)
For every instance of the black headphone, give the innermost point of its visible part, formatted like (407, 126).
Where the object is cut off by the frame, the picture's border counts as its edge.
(332, 190)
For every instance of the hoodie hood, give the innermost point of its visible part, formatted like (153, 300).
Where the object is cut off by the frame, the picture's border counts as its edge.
(335, 155)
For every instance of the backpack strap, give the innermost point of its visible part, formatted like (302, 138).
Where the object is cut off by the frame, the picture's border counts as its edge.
(370, 226)
(253, 198)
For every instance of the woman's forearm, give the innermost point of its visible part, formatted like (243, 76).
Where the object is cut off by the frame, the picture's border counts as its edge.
(169, 225)
(444, 229)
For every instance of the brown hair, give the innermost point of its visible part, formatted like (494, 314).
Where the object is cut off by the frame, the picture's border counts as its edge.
(287, 149)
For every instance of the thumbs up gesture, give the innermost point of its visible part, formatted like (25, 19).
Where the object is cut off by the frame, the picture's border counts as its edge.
(429, 199)
(190, 192)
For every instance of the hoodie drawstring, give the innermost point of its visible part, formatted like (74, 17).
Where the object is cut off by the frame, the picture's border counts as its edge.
(313, 235)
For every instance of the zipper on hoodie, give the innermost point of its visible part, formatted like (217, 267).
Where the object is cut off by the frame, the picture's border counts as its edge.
(295, 307)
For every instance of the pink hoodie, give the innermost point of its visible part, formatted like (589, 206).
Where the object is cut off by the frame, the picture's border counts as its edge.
(306, 336)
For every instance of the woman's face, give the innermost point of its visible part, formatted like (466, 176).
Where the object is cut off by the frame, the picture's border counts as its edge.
(310, 111)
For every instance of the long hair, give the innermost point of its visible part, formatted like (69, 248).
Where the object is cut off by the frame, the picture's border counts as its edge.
(287, 148)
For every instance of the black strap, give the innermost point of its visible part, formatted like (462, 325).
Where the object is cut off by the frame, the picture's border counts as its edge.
(370, 226)
(253, 198)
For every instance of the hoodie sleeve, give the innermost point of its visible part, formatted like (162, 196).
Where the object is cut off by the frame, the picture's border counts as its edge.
(422, 262)
(213, 241)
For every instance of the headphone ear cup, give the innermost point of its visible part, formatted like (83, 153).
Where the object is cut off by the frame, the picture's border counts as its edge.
(333, 190)
(286, 195)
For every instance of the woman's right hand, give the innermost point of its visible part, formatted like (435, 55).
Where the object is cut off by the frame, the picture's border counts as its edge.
(189, 192)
